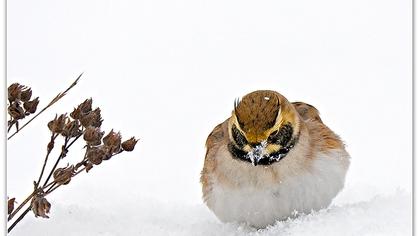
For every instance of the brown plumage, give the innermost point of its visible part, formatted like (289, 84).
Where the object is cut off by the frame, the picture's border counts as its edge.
(257, 112)
(306, 111)
(269, 158)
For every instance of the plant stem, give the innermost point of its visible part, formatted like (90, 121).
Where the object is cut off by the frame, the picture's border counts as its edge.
(51, 144)
(64, 151)
(52, 186)
(21, 205)
(78, 172)
(19, 219)
(74, 140)
(62, 154)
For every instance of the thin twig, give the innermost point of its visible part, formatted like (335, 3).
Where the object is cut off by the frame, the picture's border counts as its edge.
(56, 99)
(62, 154)
(52, 186)
(50, 147)
(64, 150)
(52, 189)
(21, 205)
(75, 139)
(48, 185)
(80, 171)
(18, 219)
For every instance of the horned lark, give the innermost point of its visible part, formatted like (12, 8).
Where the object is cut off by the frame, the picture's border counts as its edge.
(270, 159)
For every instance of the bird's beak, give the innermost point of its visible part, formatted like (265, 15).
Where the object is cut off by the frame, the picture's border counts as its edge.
(257, 153)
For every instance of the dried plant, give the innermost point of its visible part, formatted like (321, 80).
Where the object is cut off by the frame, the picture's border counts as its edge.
(82, 121)
(20, 106)
(20, 94)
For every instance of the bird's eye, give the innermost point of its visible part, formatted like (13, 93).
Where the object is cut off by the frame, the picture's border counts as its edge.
(240, 140)
(273, 137)
(281, 136)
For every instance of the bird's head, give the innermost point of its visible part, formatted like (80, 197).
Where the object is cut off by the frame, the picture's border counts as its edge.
(263, 128)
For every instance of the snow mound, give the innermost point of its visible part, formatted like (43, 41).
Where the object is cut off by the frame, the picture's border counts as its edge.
(381, 215)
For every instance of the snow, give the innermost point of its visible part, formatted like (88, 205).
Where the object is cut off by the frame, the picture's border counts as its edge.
(381, 215)
(169, 71)
(257, 153)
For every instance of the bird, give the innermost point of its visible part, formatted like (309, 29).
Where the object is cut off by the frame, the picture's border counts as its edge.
(271, 160)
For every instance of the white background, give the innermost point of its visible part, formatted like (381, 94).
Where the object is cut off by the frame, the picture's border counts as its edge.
(169, 71)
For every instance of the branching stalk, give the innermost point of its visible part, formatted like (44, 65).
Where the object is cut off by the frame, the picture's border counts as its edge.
(49, 149)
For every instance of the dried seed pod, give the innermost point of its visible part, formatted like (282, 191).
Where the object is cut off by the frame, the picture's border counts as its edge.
(40, 206)
(87, 119)
(30, 106)
(71, 129)
(16, 111)
(108, 152)
(26, 95)
(129, 144)
(63, 175)
(113, 141)
(93, 136)
(76, 113)
(57, 125)
(14, 92)
(93, 118)
(86, 106)
(82, 109)
(95, 155)
(10, 205)
(97, 121)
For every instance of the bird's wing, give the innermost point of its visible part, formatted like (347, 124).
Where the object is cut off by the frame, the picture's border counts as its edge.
(306, 111)
(214, 140)
(214, 137)
(323, 137)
